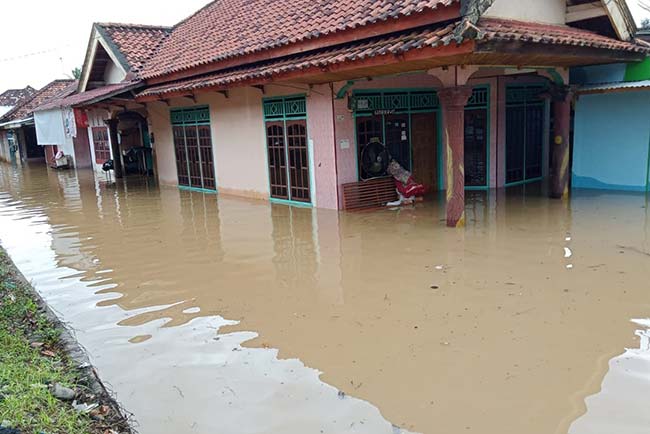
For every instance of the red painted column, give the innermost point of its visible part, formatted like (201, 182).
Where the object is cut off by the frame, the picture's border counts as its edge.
(561, 98)
(453, 101)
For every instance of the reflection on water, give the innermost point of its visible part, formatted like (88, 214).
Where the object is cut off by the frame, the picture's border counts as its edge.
(509, 326)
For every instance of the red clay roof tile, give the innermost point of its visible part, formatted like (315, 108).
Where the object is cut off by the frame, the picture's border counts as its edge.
(136, 42)
(229, 28)
(489, 29)
(55, 89)
(12, 97)
(389, 45)
(511, 30)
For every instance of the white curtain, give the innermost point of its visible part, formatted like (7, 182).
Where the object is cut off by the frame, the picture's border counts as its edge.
(49, 127)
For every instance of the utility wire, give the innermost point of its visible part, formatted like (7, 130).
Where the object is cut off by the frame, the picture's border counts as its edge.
(35, 53)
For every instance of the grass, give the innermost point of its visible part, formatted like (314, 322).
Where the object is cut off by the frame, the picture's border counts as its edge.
(30, 360)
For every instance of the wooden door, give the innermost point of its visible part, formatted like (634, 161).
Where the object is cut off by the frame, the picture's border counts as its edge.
(534, 140)
(515, 143)
(81, 143)
(369, 128)
(424, 143)
(298, 153)
(476, 142)
(276, 150)
(397, 138)
(193, 156)
(181, 155)
(207, 158)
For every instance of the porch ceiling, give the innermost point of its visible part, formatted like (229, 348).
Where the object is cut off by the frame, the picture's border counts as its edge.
(494, 43)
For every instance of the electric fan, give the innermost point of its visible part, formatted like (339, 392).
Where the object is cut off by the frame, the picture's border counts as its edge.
(374, 159)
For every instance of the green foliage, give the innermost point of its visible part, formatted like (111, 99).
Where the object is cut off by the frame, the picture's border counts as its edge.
(25, 372)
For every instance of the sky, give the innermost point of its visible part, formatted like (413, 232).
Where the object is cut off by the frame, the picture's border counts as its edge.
(41, 40)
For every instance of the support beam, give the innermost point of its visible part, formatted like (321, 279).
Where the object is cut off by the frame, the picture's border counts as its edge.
(585, 11)
(561, 97)
(115, 147)
(453, 101)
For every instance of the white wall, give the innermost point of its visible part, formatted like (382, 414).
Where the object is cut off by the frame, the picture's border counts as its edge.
(541, 11)
(238, 141)
(113, 74)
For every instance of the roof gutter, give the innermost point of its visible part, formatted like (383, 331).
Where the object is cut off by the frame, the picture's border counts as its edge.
(17, 123)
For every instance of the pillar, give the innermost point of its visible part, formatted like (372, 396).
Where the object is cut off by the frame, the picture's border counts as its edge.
(453, 101)
(561, 100)
(115, 147)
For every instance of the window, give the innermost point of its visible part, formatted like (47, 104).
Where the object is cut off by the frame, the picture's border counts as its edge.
(101, 145)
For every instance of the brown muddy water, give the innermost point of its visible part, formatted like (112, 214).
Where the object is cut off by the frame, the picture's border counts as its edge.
(213, 314)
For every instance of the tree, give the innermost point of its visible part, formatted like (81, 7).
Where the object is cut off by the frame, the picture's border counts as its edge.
(76, 73)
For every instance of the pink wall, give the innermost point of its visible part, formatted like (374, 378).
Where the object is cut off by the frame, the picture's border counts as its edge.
(320, 127)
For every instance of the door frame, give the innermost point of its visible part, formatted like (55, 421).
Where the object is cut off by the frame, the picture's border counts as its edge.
(526, 88)
(408, 110)
(475, 103)
(271, 115)
(193, 116)
(439, 124)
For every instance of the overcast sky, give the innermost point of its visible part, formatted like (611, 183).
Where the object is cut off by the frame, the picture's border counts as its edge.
(41, 40)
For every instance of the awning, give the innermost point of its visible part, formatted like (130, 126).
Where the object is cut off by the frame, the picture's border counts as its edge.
(17, 123)
(91, 96)
(615, 87)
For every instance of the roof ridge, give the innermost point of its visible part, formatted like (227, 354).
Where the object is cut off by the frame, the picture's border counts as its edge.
(198, 11)
(231, 46)
(134, 25)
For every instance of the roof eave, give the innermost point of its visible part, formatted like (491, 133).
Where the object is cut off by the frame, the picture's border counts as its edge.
(435, 16)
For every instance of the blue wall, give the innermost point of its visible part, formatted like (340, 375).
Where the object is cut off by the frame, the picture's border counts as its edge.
(611, 141)
(614, 73)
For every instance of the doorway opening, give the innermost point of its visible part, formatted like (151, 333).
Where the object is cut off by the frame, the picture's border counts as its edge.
(193, 148)
(524, 133)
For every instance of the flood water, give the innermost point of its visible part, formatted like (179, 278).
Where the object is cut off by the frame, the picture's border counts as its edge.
(211, 314)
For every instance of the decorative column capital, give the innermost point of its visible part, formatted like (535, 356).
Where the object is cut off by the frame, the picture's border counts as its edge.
(454, 97)
(559, 93)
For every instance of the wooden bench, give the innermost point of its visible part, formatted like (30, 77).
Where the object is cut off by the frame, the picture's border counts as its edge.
(373, 193)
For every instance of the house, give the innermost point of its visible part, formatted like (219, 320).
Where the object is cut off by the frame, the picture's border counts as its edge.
(281, 100)
(84, 125)
(277, 99)
(12, 97)
(8, 100)
(18, 123)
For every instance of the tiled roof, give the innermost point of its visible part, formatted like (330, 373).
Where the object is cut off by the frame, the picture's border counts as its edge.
(11, 97)
(384, 46)
(90, 96)
(488, 29)
(136, 42)
(510, 30)
(55, 89)
(228, 28)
